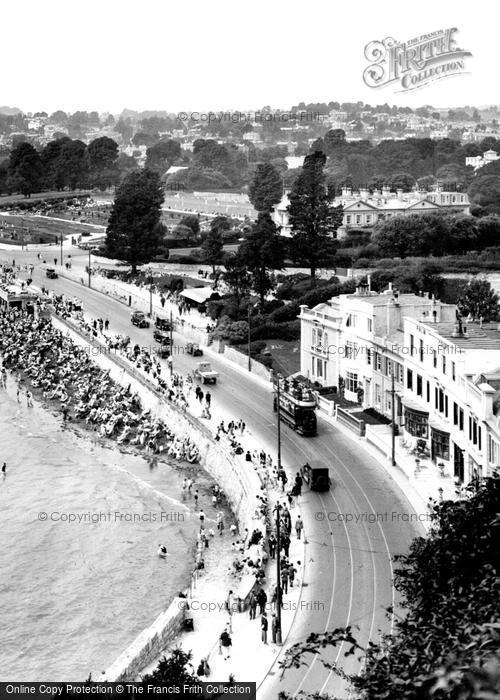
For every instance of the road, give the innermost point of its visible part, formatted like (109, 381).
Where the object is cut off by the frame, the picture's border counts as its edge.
(348, 568)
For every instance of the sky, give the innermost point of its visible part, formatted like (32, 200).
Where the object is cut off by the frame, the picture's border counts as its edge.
(227, 54)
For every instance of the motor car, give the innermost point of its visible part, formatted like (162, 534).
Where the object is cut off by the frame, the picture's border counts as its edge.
(317, 477)
(51, 273)
(139, 319)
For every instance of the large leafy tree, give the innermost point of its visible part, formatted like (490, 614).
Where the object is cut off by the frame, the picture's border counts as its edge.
(25, 169)
(266, 188)
(103, 162)
(72, 165)
(135, 231)
(261, 254)
(446, 645)
(237, 277)
(162, 155)
(51, 164)
(211, 248)
(479, 300)
(313, 220)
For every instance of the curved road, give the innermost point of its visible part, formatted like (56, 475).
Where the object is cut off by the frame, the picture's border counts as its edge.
(348, 568)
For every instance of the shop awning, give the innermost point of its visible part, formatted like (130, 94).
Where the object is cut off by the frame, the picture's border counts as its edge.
(198, 294)
(414, 407)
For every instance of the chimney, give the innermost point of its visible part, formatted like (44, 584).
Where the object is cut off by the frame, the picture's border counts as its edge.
(369, 278)
(399, 194)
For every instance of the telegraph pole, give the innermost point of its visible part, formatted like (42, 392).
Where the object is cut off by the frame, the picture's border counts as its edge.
(171, 338)
(278, 574)
(89, 270)
(393, 416)
(151, 297)
(249, 336)
(61, 249)
(278, 409)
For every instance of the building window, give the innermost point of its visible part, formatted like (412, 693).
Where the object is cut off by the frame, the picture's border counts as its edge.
(455, 413)
(314, 337)
(409, 379)
(370, 324)
(419, 385)
(378, 361)
(350, 321)
(440, 444)
(434, 359)
(416, 423)
(453, 371)
(388, 401)
(368, 218)
(378, 395)
(349, 350)
(444, 364)
(358, 218)
(428, 392)
(421, 350)
(412, 345)
(368, 356)
(325, 342)
(493, 451)
(348, 219)
(351, 383)
(461, 419)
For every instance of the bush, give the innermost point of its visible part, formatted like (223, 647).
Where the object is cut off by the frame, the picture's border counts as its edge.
(185, 259)
(283, 331)
(288, 312)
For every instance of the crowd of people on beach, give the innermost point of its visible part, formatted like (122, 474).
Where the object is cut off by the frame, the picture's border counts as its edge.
(48, 361)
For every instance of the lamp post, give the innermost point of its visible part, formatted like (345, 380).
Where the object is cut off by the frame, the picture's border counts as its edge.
(61, 249)
(278, 413)
(171, 341)
(249, 336)
(393, 419)
(278, 574)
(88, 267)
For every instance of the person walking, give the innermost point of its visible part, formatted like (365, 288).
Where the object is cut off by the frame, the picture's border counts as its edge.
(200, 396)
(225, 645)
(299, 526)
(272, 546)
(208, 399)
(106, 324)
(263, 626)
(252, 605)
(262, 600)
(274, 627)
(284, 579)
(4, 469)
(298, 484)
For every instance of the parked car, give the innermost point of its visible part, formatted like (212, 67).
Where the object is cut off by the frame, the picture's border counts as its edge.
(51, 273)
(139, 319)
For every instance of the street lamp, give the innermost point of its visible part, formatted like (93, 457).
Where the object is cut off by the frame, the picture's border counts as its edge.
(89, 269)
(249, 342)
(393, 420)
(278, 574)
(61, 249)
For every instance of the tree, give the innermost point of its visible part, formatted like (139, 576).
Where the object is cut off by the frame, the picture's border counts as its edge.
(479, 300)
(237, 277)
(161, 155)
(72, 165)
(25, 169)
(51, 164)
(314, 222)
(262, 253)
(333, 139)
(135, 231)
(103, 158)
(403, 181)
(488, 231)
(211, 249)
(192, 222)
(484, 191)
(174, 669)
(126, 164)
(266, 188)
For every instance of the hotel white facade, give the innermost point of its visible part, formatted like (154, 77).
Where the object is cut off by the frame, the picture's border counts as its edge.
(446, 374)
(364, 209)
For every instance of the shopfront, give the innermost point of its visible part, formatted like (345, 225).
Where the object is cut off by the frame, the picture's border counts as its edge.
(440, 444)
(416, 421)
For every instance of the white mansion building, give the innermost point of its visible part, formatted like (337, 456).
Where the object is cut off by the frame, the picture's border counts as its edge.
(446, 373)
(479, 161)
(363, 209)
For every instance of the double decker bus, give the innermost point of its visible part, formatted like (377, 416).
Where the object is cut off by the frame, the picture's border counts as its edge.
(297, 406)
